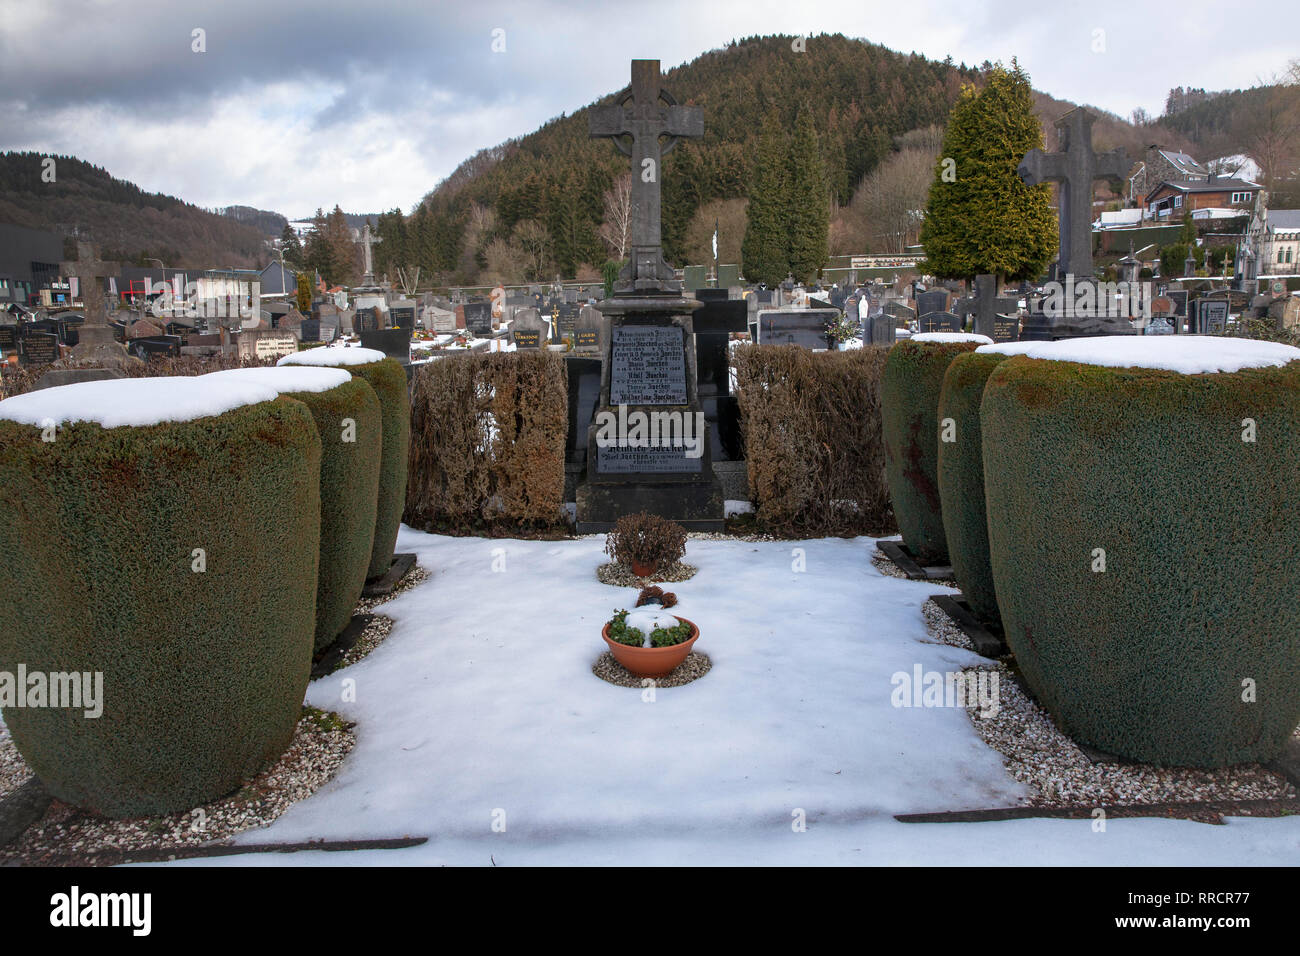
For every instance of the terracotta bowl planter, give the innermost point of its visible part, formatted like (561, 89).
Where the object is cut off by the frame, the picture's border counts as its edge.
(644, 569)
(652, 661)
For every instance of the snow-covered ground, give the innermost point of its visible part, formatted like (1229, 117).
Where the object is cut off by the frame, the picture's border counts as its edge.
(481, 709)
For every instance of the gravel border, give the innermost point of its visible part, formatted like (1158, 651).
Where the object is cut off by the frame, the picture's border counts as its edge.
(886, 567)
(414, 577)
(67, 835)
(616, 575)
(1057, 772)
(693, 668)
(13, 769)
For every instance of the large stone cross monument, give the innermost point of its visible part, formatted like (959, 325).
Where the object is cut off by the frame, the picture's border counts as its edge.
(644, 112)
(648, 371)
(95, 341)
(1074, 168)
(367, 240)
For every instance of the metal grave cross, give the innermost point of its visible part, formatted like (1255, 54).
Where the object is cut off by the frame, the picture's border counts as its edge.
(1074, 168)
(645, 111)
(88, 270)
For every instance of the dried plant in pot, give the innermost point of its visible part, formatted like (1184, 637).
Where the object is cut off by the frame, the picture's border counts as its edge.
(646, 543)
(650, 642)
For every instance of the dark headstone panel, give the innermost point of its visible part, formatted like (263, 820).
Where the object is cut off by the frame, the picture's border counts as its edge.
(40, 348)
(478, 318)
(647, 365)
(394, 343)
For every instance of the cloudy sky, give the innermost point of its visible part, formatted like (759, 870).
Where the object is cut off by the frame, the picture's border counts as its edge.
(295, 105)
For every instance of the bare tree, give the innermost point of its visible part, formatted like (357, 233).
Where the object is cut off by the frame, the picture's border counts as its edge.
(616, 229)
(891, 200)
(505, 262)
(534, 244)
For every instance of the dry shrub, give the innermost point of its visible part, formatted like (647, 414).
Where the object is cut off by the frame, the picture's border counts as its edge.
(815, 453)
(645, 538)
(488, 436)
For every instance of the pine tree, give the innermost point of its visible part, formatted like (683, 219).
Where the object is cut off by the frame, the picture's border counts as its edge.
(763, 253)
(808, 215)
(980, 218)
(291, 247)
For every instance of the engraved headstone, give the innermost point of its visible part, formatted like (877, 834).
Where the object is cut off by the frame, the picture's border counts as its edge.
(803, 327)
(40, 348)
(647, 365)
(586, 331)
(394, 343)
(478, 318)
(939, 322)
(527, 329)
(263, 344)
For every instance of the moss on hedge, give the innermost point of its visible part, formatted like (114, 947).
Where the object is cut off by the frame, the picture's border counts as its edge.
(910, 401)
(1201, 539)
(388, 379)
(204, 672)
(961, 480)
(349, 489)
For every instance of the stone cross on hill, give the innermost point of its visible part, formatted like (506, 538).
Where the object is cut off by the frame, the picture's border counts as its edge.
(1074, 168)
(367, 240)
(88, 270)
(644, 112)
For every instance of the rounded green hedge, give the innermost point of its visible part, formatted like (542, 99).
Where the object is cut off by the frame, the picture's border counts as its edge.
(1200, 535)
(961, 480)
(388, 379)
(204, 671)
(910, 401)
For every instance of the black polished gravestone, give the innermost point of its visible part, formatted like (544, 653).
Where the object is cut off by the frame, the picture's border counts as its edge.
(365, 320)
(478, 318)
(714, 324)
(939, 322)
(39, 348)
(309, 331)
(8, 339)
(931, 301)
(803, 327)
(879, 329)
(587, 333)
(394, 343)
(156, 347)
(527, 330)
(402, 317)
(567, 321)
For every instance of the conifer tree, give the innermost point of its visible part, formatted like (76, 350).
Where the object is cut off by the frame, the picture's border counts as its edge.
(763, 253)
(980, 218)
(807, 201)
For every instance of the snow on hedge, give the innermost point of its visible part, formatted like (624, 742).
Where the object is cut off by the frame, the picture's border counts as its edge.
(288, 378)
(952, 337)
(334, 357)
(119, 402)
(1007, 348)
(1188, 354)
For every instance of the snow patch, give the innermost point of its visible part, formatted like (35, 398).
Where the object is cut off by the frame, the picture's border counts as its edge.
(334, 357)
(952, 337)
(287, 378)
(1188, 354)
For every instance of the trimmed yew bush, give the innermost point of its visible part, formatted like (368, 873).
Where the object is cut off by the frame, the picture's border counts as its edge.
(1185, 649)
(813, 448)
(205, 654)
(961, 479)
(388, 379)
(489, 438)
(913, 378)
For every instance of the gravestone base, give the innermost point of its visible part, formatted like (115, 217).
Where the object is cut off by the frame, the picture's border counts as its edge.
(97, 344)
(695, 505)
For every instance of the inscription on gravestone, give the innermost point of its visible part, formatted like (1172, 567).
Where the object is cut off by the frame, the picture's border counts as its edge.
(647, 366)
(648, 461)
(40, 348)
(1213, 316)
(478, 318)
(939, 322)
(8, 338)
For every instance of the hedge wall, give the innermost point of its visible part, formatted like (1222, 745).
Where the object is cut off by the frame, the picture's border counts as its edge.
(961, 480)
(203, 672)
(1201, 539)
(814, 451)
(913, 378)
(388, 379)
(349, 491)
(489, 439)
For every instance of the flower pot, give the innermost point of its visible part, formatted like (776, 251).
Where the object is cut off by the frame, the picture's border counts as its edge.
(644, 569)
(652, 661)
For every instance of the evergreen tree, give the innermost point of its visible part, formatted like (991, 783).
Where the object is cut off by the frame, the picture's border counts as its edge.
(980, 217)
(291, 247)
(304, 293)
(807, 202)
(763, 253)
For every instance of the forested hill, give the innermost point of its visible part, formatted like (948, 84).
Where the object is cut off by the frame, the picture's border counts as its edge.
(128, 223)
(861, 95)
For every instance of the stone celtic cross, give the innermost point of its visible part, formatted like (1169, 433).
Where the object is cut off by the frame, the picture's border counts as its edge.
(644, 112)
(1074, 168)
(367, 240)
(88, 270)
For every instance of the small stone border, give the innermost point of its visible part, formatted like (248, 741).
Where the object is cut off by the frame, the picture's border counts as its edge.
(611, 671)
(616, 575)
(66, 835)
(416, 576)
(1059, 774)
